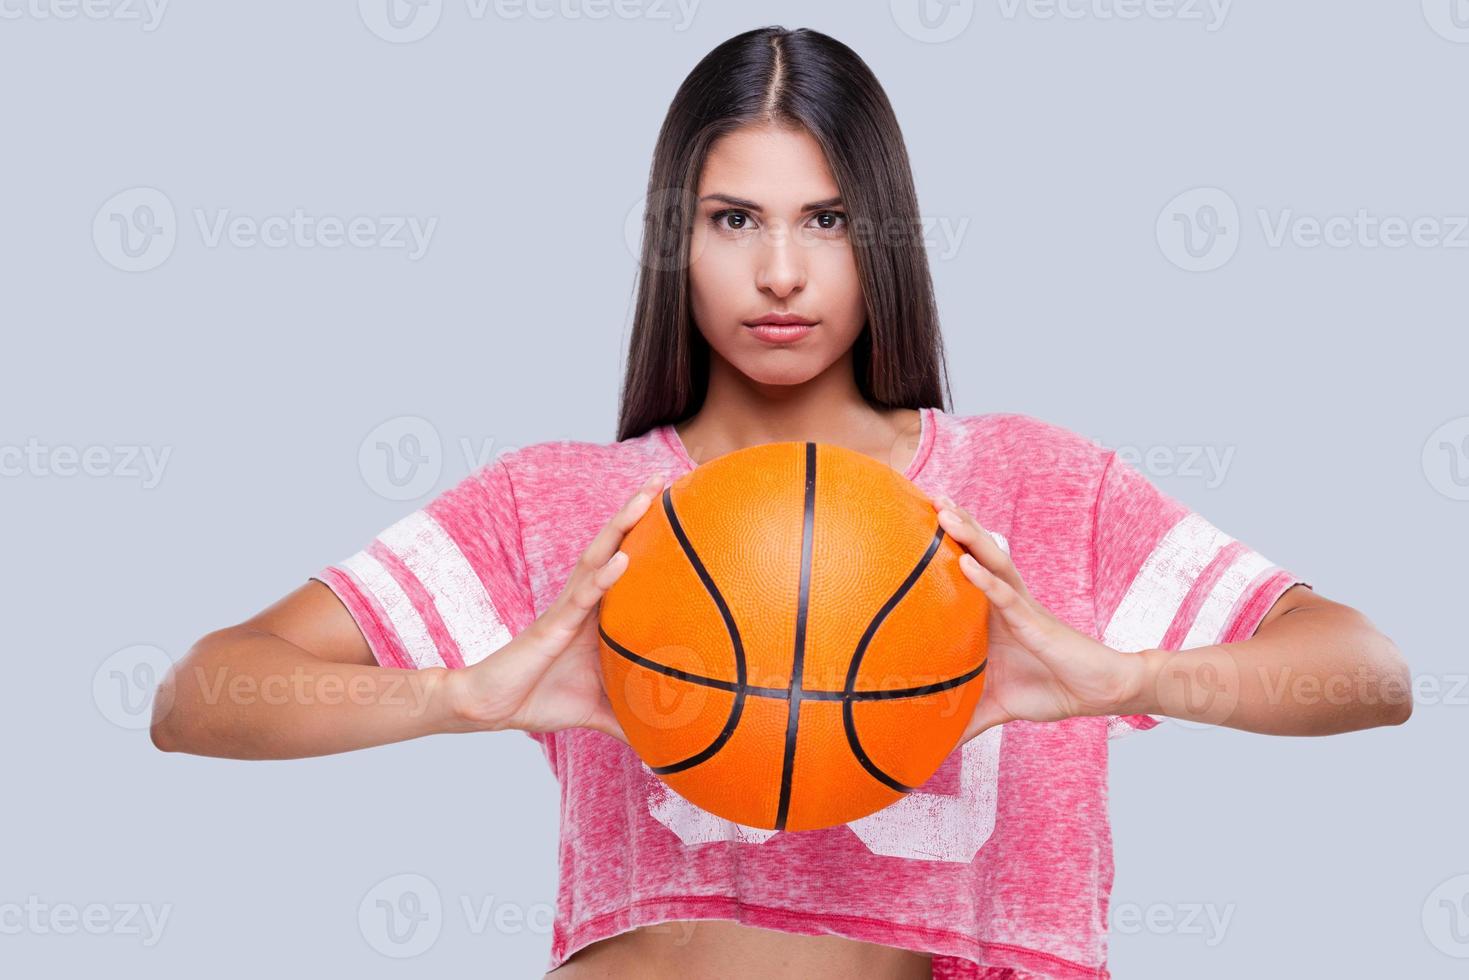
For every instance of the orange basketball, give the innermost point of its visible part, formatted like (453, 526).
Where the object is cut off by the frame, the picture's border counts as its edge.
(793, 644)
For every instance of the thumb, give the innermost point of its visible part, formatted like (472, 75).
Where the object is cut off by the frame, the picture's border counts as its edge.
(603, 720)
(987, 714)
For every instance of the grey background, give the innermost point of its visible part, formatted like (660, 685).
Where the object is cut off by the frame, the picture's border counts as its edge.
(1056, 143)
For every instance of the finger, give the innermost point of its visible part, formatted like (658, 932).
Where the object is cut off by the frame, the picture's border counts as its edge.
(590, 590)
(964, 529)
(600, 564)
(1018, 613)
(976, 540)
(581, 595)
(609, 539)
(548, 637)
(600, 553)
(971, 531)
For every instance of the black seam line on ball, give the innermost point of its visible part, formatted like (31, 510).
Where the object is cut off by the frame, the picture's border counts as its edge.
(733, 721)
(854, 668)
(782, 693)
(793, 715)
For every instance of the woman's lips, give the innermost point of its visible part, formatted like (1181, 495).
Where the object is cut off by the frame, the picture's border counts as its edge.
(773, 333)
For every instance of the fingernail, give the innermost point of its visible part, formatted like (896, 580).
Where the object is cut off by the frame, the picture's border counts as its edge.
(948, 516)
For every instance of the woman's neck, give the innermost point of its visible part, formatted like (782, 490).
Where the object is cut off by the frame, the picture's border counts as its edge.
(739, 412)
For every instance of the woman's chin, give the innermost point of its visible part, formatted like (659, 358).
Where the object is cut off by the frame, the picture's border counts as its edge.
(797, 371)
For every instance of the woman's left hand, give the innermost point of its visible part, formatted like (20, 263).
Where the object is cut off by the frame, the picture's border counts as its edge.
(1039, 669)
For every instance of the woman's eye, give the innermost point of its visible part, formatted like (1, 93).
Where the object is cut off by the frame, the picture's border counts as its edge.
(828, 220)
(739, 219)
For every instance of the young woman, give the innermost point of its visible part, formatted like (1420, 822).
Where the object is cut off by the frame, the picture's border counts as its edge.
(786, 296)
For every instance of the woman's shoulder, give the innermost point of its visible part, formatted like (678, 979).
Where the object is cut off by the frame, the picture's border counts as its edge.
(606, 462)
(1020, 438)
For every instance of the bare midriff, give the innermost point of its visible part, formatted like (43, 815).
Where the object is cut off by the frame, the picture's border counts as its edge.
(715, 949)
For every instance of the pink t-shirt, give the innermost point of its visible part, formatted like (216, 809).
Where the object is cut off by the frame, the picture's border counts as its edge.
(1001, 862)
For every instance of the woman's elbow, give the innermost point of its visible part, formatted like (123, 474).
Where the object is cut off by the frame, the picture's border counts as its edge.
(171, 701)
(163, 728)
(1395, 683)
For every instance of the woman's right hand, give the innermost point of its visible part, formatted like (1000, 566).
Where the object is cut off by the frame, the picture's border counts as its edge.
(549, 676)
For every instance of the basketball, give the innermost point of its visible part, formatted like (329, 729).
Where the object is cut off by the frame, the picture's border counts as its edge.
(792, 644)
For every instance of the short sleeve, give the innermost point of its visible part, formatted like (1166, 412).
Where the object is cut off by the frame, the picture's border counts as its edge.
(1165, 578)
(446, 585)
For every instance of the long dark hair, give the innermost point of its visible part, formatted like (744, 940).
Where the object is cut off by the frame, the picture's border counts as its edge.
(787, 77)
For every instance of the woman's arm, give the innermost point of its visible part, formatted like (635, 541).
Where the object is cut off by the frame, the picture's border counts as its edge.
(296, 680)
(299, 678)
(1312, 667)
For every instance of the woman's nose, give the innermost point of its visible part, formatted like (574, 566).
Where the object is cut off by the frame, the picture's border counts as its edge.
(782, 267)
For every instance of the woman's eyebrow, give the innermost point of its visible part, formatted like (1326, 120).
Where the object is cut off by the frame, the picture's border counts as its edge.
(740, 202)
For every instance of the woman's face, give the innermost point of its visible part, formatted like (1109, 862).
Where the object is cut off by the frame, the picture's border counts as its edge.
(770, 237)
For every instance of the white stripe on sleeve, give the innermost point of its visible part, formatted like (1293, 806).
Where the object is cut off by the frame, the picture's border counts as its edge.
(405, 620)
(1162, 584)
(422, 544)
(1210, 621)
